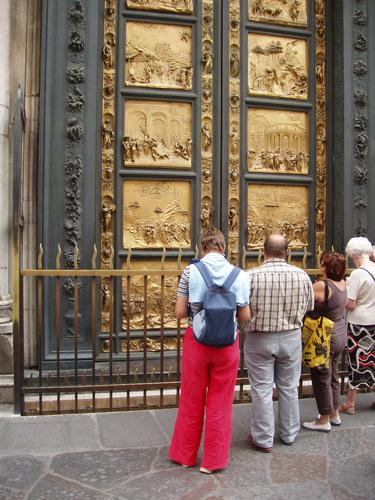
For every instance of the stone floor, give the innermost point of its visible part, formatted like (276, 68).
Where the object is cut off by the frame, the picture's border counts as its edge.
(124, 456)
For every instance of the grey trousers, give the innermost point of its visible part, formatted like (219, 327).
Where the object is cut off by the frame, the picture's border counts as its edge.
(274, 358)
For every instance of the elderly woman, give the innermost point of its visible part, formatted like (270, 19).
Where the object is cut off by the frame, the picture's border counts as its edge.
(325, 381)
(361, 321)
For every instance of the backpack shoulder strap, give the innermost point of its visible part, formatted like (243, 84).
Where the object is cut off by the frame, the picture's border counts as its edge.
(231, 278)
(205, 273)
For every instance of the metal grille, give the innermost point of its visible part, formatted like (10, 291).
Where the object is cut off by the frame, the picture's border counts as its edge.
(141, 380)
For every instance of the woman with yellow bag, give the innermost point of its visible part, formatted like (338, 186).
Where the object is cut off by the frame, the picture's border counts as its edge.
(325, 381)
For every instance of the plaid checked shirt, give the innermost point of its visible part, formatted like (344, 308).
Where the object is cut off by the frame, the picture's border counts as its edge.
(280, 295)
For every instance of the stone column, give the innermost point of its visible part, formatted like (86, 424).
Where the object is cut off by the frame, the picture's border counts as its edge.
(5, 198)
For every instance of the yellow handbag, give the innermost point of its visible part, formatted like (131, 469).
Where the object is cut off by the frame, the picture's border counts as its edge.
(316, 339)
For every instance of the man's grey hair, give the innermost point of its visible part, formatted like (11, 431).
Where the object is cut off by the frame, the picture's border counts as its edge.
(358, 247)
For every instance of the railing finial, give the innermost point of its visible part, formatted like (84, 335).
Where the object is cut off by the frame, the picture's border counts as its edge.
(179, 258)
(163, 258)
(76, 256)
(40, 256)
(58, 256)
(128, 264)
(244, 258)
(304, 259)
(94, 255)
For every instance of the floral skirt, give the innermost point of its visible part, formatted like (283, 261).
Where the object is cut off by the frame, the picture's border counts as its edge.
(361, 350)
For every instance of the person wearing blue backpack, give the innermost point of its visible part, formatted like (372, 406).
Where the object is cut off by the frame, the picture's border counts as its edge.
(213, 294)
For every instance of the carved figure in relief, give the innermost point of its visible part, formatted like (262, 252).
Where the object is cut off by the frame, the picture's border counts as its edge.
(106, 297)
(295, 9)
(75, 99)
(207, 138)
(108, 53)
(234, 62)
(233, 217)
(107, 133)
(320, 72)
(319, 215)
(321, 142)
(205, 215)
(207, 58)
(234, 141)
(107, 212)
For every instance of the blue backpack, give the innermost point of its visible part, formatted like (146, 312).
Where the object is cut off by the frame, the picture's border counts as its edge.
(216, 323)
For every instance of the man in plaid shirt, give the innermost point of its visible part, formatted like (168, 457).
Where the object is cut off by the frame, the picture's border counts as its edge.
(280, 295)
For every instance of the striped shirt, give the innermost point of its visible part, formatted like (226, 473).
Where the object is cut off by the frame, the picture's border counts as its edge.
(280, 295)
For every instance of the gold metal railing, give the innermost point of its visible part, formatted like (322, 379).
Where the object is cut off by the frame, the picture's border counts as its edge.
(103, 380)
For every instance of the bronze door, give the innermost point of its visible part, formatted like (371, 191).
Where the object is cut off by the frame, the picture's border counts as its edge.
(213, 112)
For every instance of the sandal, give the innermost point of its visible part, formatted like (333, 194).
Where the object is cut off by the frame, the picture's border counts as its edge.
(347, 408)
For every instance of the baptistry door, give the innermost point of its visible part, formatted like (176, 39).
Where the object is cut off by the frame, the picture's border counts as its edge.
(213, 112)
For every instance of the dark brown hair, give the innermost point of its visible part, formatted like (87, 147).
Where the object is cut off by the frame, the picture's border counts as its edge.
(212, 239)
(276, 245)
(335, 265)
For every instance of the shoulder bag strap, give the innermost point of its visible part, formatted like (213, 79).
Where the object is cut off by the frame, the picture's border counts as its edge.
(205, 273)
(326, 292)
(372, 276)
(231, 277)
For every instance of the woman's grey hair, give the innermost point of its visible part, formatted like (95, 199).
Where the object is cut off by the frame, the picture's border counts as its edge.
(358, 247)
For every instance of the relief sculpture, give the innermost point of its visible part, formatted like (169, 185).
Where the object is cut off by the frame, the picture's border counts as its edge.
(278, 141)
(157, 214)
(158, 55)
(178, 6)
(277, 66)
(133, 300)
(157, 134)
(280, 209)
(290, 12)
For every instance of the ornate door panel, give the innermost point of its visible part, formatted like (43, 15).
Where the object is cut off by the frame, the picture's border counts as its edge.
(276, 127)
(212, 112)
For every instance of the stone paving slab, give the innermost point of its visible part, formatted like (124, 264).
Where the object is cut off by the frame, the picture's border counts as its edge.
(123, 456)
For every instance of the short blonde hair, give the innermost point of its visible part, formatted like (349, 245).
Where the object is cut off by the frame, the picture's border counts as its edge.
(358, 246)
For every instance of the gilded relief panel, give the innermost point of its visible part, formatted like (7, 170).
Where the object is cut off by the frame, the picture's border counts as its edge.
(277, 66)
(158, 55)
(289, 12)
(157, 134)
(133, 300)
(157, 214)
(177, 6)
(277, 208)
(277, 141)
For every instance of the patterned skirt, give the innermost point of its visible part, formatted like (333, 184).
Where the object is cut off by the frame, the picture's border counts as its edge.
(361, 350)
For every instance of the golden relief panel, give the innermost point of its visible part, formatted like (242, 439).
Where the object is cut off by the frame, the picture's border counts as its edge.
(178, 6)
(133, 299)
(277, 141)
(277, 66)
(158, 55)
(290, 12)
(157, 134)
(277, 208)
(157, 214)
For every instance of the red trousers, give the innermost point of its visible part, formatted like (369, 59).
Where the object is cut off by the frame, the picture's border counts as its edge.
(208, 380)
